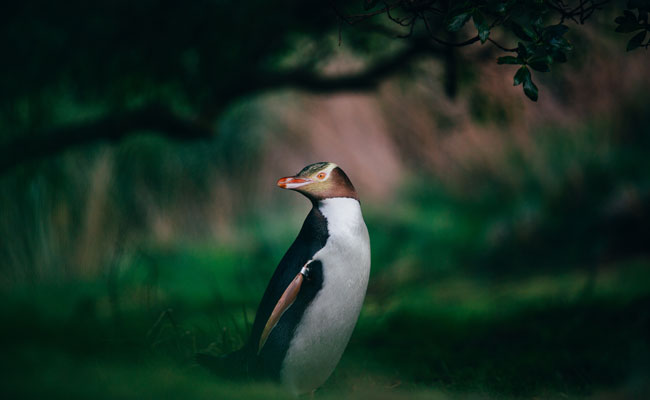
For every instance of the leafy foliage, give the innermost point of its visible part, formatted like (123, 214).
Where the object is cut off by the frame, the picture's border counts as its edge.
(538, 26)
(635, 19)
(76, 74)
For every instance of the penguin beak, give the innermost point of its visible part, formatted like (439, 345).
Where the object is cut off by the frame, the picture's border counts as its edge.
(291, 182)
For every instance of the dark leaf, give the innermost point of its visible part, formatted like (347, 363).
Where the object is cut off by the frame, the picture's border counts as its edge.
(523, 51)
(540, 57)
(481, 25)
(522, 74)
(455, 22)
(620, 20)
(523, 34)
(508, 60)
(636, 40)
(559, 57)
(539, 66)
(554, 31)
(628, 27)
(540, 63)
(530, 89)
(560, 43)
(498, 7)
(629, 15)
(643, 16)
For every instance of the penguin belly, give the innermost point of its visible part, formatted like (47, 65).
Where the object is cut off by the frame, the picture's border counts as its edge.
(327, 323)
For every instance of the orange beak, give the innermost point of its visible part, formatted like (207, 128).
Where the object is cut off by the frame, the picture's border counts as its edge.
(291, 182)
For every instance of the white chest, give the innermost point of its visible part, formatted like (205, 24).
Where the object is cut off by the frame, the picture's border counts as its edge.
(327, 324)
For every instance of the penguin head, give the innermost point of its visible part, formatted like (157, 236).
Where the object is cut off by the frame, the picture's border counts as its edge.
(320, 181)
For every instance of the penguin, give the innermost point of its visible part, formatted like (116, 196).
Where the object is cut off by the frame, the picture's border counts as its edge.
(313, 300)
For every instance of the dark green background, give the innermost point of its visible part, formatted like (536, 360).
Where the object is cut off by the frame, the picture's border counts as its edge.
(510, 253)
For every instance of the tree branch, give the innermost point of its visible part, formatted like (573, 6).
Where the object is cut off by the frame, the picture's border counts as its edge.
(31, 146)
(112, 128)
(367, 79)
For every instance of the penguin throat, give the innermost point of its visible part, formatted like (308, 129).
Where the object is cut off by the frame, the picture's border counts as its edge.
(343, 214)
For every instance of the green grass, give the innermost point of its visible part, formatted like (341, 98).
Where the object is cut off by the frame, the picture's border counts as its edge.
(557, 334)
(528, 283)
(575, 333)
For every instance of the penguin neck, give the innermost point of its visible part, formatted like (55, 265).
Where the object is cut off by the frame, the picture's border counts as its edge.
(343, 214)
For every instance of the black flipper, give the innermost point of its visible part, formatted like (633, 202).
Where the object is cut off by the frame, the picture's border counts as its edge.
(251, 361)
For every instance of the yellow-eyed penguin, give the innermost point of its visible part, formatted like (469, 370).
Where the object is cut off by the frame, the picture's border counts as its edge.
(311, 305)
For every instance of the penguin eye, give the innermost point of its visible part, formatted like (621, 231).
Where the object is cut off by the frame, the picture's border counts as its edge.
(321, 176)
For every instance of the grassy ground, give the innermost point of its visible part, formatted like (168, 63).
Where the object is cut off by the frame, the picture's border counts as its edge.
(576, 333)
(519, 285)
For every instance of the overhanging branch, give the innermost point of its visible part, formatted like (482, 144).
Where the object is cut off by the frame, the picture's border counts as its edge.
(160, 119)
(111, 128)
(367, 79)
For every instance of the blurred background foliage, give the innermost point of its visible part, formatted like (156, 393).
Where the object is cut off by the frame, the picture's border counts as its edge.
(139, 220)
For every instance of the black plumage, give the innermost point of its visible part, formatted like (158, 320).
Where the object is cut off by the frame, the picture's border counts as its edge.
(246, 361)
